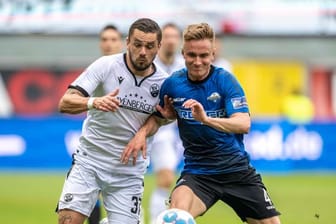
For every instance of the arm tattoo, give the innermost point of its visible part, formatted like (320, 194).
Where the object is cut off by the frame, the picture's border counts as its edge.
(65, 219)
(74, 91)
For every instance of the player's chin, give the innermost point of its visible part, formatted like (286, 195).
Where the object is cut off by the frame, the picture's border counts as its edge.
(142, 66)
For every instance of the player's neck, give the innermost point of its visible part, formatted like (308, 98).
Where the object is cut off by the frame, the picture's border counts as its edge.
(148, 71)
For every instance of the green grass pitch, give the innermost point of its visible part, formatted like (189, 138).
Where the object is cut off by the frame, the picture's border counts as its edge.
(30, 198)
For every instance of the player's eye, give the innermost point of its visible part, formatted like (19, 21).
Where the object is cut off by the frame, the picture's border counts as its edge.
(150, 46)
(191, 54)
(137, 45)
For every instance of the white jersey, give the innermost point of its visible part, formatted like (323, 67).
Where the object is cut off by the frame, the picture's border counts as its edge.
(105, 134)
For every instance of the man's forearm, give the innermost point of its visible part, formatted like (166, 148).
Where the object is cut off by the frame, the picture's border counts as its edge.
(73, 104)
(151, 126)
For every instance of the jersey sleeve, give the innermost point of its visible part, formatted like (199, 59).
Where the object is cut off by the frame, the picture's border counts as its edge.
(235, 100)
(89, 79)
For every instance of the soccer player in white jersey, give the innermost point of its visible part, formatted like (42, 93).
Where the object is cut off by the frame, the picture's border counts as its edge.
(119, 92)
(164, 154)
(110, 43)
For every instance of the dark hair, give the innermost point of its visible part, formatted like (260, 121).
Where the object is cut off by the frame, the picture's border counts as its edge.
(110, 27)
(171, 25)
(146, 25)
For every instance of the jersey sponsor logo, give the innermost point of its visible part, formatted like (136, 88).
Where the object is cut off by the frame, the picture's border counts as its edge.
(154, 90)
(136, 103)
(239, 102)
(214, 97)
(187, 114)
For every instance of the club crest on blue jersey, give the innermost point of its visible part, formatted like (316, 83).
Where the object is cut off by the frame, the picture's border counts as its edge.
(214, 97)
(154, 90)
(239, 102)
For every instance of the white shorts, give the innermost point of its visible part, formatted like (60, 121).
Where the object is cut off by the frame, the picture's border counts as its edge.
(122, 194)
(164, 153)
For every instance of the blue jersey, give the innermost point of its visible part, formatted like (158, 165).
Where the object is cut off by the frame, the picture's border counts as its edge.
(207, 150)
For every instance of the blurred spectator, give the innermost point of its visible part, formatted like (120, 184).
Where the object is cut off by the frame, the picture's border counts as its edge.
(298, 108)
(110, 40)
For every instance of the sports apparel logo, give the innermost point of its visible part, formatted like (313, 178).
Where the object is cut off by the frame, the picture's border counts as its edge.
(214, 97)
(179, 99)
(120, 79)
(154, 90)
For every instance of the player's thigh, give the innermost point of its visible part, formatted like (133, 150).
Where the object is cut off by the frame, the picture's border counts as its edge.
(184, 198)
(80, 191)
(122, 200)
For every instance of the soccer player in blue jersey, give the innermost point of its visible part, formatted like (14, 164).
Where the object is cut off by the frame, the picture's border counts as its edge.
(212, 114)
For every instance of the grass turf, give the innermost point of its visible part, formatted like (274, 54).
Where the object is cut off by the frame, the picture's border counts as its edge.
(31, 198)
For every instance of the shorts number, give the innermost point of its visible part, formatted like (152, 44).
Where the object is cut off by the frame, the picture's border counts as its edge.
(137, 205)
(267, 198)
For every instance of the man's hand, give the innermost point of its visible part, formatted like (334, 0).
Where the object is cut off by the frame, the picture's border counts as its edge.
(137, 143)
(197, 110)
(108, 102)
(167, 111)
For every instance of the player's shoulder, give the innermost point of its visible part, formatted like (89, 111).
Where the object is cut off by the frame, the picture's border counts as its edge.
(181, 73)
(113, 58)
(108, 60)
(177, 78)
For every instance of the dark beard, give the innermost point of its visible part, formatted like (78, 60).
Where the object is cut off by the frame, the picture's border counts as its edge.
(137, 67)
(140, 68)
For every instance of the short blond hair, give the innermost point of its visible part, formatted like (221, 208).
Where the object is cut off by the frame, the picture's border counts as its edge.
(198, 31)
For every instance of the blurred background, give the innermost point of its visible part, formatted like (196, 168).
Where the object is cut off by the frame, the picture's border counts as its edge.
(278, 49)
